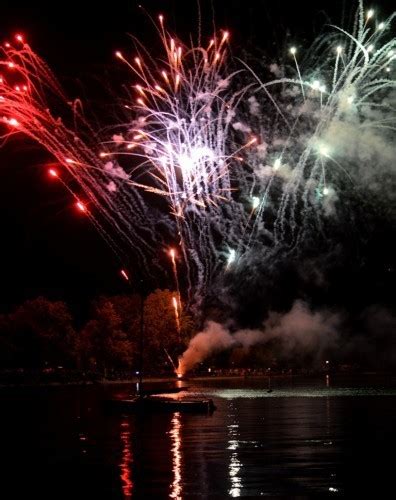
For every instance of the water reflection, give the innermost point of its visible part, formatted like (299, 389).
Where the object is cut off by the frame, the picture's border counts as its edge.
(83, 440)
(175, 435)
(301, 441)
(235, 465)
(127, 459)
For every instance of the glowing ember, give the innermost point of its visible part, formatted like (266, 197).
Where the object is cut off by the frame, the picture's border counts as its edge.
(124, 274)
(81, 206)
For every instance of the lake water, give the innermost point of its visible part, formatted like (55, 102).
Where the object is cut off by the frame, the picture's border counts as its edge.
(309, 437)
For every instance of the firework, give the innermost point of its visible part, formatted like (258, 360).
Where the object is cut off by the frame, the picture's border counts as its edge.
(124, 274)
(246, 164)
(175, 303)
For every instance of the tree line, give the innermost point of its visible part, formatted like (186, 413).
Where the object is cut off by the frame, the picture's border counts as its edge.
(41, 334)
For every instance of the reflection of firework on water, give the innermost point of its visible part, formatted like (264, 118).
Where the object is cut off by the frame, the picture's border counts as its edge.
(246, 165)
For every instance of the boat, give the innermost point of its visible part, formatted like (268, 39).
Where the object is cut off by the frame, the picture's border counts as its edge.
(145, 401)
(151, 404)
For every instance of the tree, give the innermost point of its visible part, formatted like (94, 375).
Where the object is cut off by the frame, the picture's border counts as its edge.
(128, 309)
(106, 342)
(161, 328)
(111, 338)
(42, 334)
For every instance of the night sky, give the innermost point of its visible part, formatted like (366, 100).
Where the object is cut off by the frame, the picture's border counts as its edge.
(47, 247)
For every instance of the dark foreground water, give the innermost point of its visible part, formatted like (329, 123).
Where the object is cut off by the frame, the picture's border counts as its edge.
(307, 438)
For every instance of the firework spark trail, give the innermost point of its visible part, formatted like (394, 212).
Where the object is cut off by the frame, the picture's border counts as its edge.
(212, 137)
(176, 307)
(180, 129)
(25, 110)
(358, 76)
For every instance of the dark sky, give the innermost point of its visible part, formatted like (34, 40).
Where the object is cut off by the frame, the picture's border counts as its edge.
(47, 247)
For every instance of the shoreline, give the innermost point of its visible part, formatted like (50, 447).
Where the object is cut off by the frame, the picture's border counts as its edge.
(194, 378)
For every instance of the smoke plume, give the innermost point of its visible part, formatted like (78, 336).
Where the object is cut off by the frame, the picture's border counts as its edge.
(300, 331)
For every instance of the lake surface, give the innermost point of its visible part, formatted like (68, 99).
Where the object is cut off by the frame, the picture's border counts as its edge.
(309, 437)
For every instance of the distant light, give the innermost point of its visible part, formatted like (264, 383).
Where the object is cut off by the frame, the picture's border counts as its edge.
(293, 50)
(19, 38)
(370, 13)
(339, 49)
(161, 18)
(370, 48)
(350, 99)
(69, 160)
(327, 361)
(381, 26)
(52, 172)
(119, 55)
(326, 191)
(13, 122)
